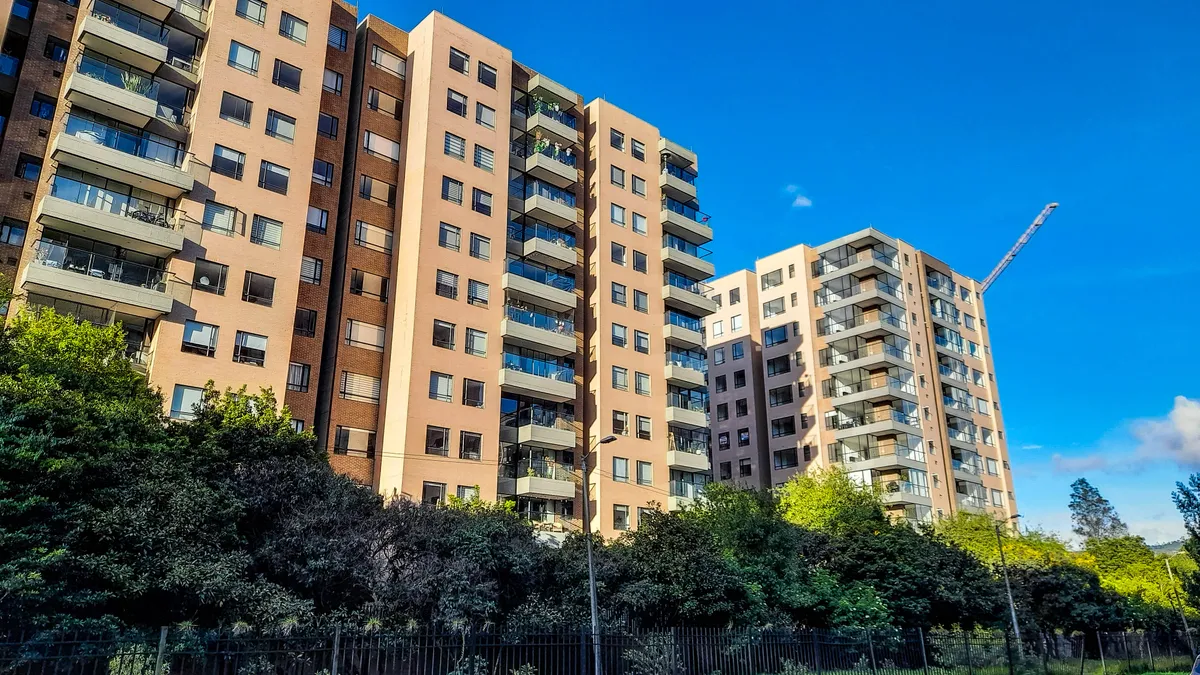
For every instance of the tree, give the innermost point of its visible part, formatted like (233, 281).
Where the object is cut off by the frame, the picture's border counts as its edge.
(828, 500)
(1092, 514)
(976, 534)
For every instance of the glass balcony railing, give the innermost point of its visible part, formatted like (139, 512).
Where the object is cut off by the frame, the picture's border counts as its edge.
(536, 319)
(972, 501)
(559, 154)
(538, 468)
(680, 173)
(9, 65)
(695, 446)
(845, 454)
(952, 374)
(530, 188)
(538, 367)
(944, 314)
(549, 110)
(691, 285)
(191, 11)
(676, 319)
(938, 282)
(693, 403)
(111, 73)
(825, 265)
(99, 266)
(538, 416)
(680, 488)
(542, 276)
(826, 296)
(958, 404)
(839, 422)
(952, 345)
(671, 241)
(890, 487)
(523, 233)
(690, 212)
(123, 141)
(130, 21)
(834, 388)
(962, 435)
(972, 467)
(829, 325)
(687, 361)
(829, 357)
(128, 206)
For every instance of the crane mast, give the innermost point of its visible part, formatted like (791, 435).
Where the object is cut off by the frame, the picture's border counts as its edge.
(1021, 242)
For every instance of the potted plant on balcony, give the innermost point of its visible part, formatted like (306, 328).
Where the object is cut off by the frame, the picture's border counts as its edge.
(136, 83)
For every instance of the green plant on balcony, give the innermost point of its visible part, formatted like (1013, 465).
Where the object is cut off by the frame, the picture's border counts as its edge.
(136, 83)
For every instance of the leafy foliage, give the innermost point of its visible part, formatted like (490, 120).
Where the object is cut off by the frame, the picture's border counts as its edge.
(1092, 514)
(829, 500)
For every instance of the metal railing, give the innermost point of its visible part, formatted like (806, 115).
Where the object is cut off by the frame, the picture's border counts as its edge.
(952, 317)
(523, 233)
(958, 404)
(537, 107)
(950, 373)
(696, 446)
(539, 416)
(558, 154)
(542, 276)
(843, 453)
(98, 266)
(691, 285)
(682, 360)
(133, 22)
(961, 435)
(128, 206)
(825, 265)
(972, 501)
(943, 341)
(830, 358)
(671, 241)
(833, 388)
(840, 422)
(538, 367)
(680, 173)
(674, 318)
(123, 141)
(529, 317)
(690, 212)
(938, 282)
(967, 466)
(529, 188)
(538, 468)
(693, 403)
(828, 296)
(831, 326)
(123, 78)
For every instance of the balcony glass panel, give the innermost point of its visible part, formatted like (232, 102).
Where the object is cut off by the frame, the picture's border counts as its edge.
(540, 275)
(538, 367)
(98, 266)
(523, 233)
(125, 78)
(130, 20)
(671, 241)
(103, 199)
(686, 210)
(128, 143)
(544, 147)
(536, 319)
(682, 174)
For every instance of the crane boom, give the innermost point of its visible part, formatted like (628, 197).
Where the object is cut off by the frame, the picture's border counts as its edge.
(1012, 252)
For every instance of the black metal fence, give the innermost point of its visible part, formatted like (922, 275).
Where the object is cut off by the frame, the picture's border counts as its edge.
(680, 651)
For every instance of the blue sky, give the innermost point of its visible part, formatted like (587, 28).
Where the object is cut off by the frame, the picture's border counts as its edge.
(949, 125)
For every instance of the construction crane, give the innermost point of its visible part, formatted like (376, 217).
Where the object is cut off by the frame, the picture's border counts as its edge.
(1012, 252)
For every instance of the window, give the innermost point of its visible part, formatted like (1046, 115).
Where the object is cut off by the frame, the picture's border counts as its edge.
(481, 202)
(209, 276)
(365, 335)
(620, 378)
(12, 232)
(266, 232)
(735, 323)
(227, 162)
(384, 103)
(722, 412)
(619, 334)
(744, 468)
(743, 437)
(472, 393)
(29, 167)
(641, 342)
(459, 61)
(645, 470)
(983, 406)
(485, 159)
(641, 383)
(795, 299)
(332, 82)
(741, 408)
(449, 237)
(639, 224)
(618, 294)
(372, 237)
(791, 271)
(354, 442)
(243, 58)
(318, 220)
(641, 301)
(772, 279)
(997, 498)
(199, 338)
(969, 321)
(298, 374)
(481, 247)
(478, 293)
(726, 470)
(773, 308)
(273, 177)
(639, 186)
(258, 289)
(43, 106)
(446, 285)
(311, 269)
(738, 350)
(297, 425)
(470, 445)
(253, 10)
(739, 379)
(455, 146)
(723, 440)
(722, 383)
(443, 334)
(377, 191)
(775, 336)
(281, 126)
(779, 365)
(620, 517)
(184, 402)
(977, 377)
(456, 103)
(637, 149)
(620, 469)
(369, 285)
(618, 254)
(993, 467)
(250, 348)
(437, 442)
(441, 387)
(452, 190)
(616, 139)
(357, 387)
(780, 395)
(786, 458)
(322, 173)
(718, 329)
(988, 437)
(783, 426)
(381, 146)
(293, 28)
(219, 218)
(487, 75)
(639, 261)
(434, 493)
(56, 49)
(616, 214)
(235, 109)
(620, 423)
(616, 175)
(339, 38)
(387, 61)
(485, 116)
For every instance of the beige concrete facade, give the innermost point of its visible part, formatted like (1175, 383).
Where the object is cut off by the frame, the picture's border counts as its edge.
(875, 358)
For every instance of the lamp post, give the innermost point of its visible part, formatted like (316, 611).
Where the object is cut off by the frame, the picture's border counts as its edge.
(587, 523)
(1012, 607)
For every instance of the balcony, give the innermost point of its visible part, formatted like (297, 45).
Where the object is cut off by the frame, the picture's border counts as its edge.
(685, 221)
(547, 89)
(131, 37)
(118, 219)
(92, 279)
(677, 154)
(688, 454)
(685, 370)
(113, 91)
(688, 412)
(538, 286)
(554, 164)
(974, 503)
(948, 342)
(543, 201)
(193, 18)
(684, 332)
(543, 244)
(537, 478)
(963, 437)
(687, 295)
(886, 320)
(681, 495)
(686, 258)
(959, 407)
(677, 182)
(537, 378)
(128, 158)
(948, 373)
(903, 492)
(540, 427)
(878, 387)
(882, 422)
(551, 122)
(867, 293)
(529, 328)
(942, 284)
(876, 456)
(865, 356)
(970, 468)
(826, 268)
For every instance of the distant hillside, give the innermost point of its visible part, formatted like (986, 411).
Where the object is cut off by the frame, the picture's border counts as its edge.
(1168, 547)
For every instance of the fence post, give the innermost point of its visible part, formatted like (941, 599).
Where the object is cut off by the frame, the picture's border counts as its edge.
(924, 657)
(583, 651)
(816, 650)
(1150, 650)
(1082, 652)
(337, 643)
(162, 649)
(1008, 650)
(1100, 643)
(871, 651)
(1128, 659)
(967, 642)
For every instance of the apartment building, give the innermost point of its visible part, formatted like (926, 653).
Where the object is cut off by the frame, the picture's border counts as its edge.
(874, 358)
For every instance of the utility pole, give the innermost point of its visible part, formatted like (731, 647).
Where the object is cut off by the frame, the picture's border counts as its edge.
(1012, 607)
(1179, 605)
(587, 529)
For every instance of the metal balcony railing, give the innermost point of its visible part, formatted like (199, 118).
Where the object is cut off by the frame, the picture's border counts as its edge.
(542, 276)
(529, 317)
(685, 210)
(685, 246)
(676, 319)
(680, 173)
(539, 417)
(88, 263)
(840, 422)
(123, 141)
(131, 21)
(830, 326)
(523, 233)
(538, 468)
(100, 199)
(538, 367)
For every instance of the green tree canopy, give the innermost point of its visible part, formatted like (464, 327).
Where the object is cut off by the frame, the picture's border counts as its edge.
(1092, 514)
(828, 500)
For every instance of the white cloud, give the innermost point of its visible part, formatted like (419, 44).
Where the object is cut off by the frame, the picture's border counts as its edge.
(1174, 438)
(799, 201)
(1031, 446)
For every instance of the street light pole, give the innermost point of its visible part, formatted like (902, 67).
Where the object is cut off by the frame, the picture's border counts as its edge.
(1012, 607)
(587, 521)
(1187, 631)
